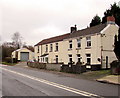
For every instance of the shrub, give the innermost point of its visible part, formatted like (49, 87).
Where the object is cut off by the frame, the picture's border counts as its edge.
(8, 59)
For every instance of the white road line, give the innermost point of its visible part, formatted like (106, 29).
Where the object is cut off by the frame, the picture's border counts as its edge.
(70, 89)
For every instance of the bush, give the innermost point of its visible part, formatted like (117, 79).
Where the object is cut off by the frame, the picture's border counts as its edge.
(8, 59)
(115, 67)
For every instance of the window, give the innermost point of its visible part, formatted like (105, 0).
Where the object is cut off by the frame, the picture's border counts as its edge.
(56, 58)
(56, 46)
(46, 48)
(88, 57)
(51, 48)
(38, 58)
(78, 57)
(88, 39)
(43, 59)
(70, 44)
(38, 49)
(46, 59)
(70, 57)
(78, 43)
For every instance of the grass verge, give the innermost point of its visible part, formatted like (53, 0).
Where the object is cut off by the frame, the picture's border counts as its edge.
(11, 64)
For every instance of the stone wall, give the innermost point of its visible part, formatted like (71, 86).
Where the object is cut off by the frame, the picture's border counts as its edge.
(56, 67)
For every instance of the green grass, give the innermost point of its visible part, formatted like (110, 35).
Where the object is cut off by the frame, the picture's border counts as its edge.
(5, 63)
(95, 74)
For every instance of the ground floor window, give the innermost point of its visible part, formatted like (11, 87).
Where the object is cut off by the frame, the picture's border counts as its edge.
(38, 58)
(88, 58)
(70, 57)
(56, 58)
(46, 59)
(78, 58)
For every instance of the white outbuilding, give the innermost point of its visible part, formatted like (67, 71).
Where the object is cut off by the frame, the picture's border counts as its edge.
(23, 54)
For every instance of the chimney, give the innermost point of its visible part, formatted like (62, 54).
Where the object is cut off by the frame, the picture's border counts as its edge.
(73, 29)
(110, 20)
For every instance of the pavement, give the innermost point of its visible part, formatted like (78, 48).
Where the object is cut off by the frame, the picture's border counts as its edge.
(112, 79)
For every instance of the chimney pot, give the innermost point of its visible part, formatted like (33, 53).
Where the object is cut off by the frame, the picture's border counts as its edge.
(110, 20)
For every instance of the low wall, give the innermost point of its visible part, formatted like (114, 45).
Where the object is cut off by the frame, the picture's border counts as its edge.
(73, 69)
(56, 67)
(36, 65)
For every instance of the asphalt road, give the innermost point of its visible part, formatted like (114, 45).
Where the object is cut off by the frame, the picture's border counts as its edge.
(22, 81)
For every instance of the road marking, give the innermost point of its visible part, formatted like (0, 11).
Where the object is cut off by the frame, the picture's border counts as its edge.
(70, 89)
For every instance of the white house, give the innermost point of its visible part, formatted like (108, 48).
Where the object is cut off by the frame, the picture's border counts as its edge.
(92, 46)
(23, 54)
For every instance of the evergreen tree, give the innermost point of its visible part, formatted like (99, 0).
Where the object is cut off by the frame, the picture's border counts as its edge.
(115, 11)
(95, 21)
(117, 45)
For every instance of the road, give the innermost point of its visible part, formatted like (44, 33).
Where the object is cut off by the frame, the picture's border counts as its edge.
(22, 81)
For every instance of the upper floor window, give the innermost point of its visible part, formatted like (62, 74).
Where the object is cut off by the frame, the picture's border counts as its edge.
(51, 48)
(78, 43)
(46, 48)
(56, 46)
(88, 39)
(70, 44)
(38, 49)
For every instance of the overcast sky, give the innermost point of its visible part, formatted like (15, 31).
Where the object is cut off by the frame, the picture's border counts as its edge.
(39, 19)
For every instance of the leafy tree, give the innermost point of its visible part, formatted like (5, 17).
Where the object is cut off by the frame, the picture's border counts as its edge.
(6, 51)
(115, 11)
(95, 21)
(117, 45)
(17, 40)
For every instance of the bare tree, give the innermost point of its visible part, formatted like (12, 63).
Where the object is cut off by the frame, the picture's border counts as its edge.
(17, 40)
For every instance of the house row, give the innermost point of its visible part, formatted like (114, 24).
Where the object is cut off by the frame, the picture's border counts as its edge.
(91, 46)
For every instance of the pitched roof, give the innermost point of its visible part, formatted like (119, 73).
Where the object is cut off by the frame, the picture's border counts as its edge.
(53, 39)
(88, 31)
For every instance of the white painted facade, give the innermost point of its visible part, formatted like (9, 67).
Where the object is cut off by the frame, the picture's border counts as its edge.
(102, 45)
(17, 53)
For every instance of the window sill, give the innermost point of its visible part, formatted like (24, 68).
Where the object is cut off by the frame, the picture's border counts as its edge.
(88, 48)
(78, 48)
(69, 49)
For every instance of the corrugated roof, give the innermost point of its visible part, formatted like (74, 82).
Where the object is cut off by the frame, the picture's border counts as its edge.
(83, 32)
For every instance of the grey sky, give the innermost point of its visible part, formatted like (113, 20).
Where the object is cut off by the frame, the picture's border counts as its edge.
(40, 19)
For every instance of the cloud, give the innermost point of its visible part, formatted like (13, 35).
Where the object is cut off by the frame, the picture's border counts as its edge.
(39, 19)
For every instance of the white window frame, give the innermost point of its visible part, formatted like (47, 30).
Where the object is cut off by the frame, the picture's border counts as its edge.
(51, 47)
(88, 41)
(56, 58)
(56, 47)
(78, 42)
(46, 48)
(78, 57)
(70, 44)
(70, 57)
(88, 56)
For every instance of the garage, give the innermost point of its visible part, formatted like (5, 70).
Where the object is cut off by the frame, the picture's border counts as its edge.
(24, 56)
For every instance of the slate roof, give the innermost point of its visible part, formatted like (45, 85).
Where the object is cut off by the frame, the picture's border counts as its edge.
(83, 32)
(53, 39)
(88, 31)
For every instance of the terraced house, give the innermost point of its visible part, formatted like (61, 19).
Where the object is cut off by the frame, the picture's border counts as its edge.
(93, 46)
